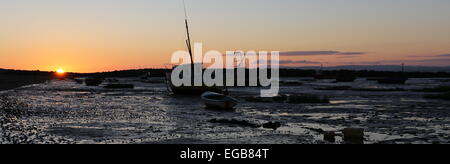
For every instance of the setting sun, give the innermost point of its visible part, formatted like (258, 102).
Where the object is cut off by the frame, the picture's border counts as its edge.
(60, 71)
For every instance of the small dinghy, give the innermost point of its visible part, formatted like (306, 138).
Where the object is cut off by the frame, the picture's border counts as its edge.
(218, 101)
(79, 81)
(93, 81)
(393, 80)
(119, 86)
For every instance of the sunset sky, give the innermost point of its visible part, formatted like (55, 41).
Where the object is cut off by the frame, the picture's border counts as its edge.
(105, 35)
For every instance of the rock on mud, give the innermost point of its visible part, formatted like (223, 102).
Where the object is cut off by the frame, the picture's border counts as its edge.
(272, 125)
(293, 99)
(241, 123)
(244, 123)
(329, 136)
(353, 135)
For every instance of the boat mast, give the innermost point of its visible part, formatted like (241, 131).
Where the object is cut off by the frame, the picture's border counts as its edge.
(403, 67)
(188, 41)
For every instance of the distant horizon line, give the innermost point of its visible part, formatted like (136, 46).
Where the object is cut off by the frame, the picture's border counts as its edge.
(281, 67)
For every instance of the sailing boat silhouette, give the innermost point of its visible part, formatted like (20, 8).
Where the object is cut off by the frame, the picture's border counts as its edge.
(196, 90)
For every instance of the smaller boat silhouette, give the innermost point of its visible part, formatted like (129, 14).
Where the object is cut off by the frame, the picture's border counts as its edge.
(346, 77)
(93, 81)
(218, 101)
(119, 86)
(393, 80)
(78, 81)
(400, 79)
(320, 75)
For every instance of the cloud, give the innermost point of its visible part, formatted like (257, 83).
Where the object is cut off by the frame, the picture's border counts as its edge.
(283, 62)
(346, 56)
(319, 53)
(286, 62)
(428, 56)
(432, 62)
(363, 63)
(352, 53)
(444, 55)
(307, 53)
(419, 56)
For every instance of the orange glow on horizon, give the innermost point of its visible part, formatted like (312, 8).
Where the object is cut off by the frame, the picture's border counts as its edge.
(60, 72)
(104, 36)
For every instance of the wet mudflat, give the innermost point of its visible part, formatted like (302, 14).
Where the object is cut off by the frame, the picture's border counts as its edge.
(75, 113)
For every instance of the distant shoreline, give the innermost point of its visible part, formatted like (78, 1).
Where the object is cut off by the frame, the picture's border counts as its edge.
(11, 79)
(8, 82)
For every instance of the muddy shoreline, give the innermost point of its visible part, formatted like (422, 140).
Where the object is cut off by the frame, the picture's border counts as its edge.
(15, 130)
(8, 82)
(75, 113)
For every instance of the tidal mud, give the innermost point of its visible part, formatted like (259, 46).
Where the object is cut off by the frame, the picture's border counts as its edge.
(72, 113)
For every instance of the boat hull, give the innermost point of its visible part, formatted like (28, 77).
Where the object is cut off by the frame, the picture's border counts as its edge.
(398, 80)
(119, 86)
(93, 81)
(218, 101)
(190, 90)
(220, 105)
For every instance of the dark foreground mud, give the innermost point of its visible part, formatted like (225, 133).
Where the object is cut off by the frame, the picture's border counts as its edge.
(14, 130)
(67, 112)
